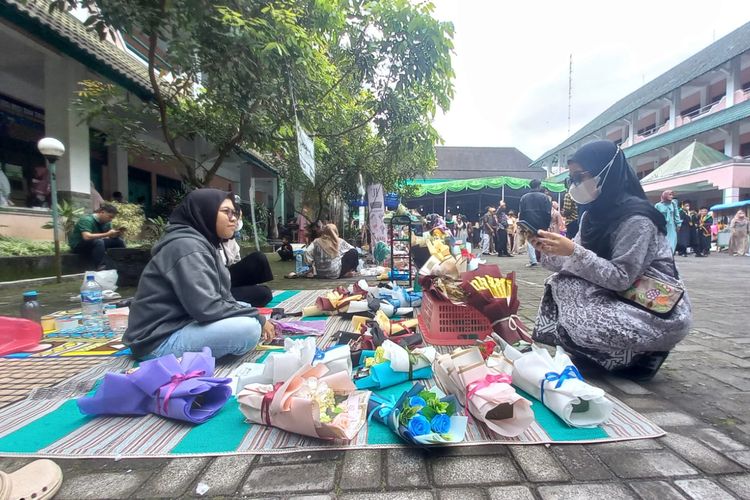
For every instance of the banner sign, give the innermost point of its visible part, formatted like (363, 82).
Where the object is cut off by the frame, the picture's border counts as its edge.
(306, 151)
(377, 213)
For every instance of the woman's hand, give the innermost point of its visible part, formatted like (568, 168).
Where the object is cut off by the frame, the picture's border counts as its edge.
(553, 244)
(269, 331)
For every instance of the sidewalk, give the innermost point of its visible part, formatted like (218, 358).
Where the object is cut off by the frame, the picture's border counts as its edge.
(701, 398)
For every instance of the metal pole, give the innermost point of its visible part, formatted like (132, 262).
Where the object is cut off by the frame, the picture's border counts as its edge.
(252, 213)
(503, 195)
(55, 218)
(445, 203)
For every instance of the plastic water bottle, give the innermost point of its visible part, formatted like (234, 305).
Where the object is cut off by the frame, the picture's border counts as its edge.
(92, 305)
(30, 307)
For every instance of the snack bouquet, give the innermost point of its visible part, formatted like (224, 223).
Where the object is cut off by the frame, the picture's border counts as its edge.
(421, 416)
(558, 384)
(391, 364)
(182, 389)
(496, 297)
(312, 403)
(486, 394)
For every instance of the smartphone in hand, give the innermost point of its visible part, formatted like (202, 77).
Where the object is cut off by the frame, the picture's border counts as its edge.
(527, 228)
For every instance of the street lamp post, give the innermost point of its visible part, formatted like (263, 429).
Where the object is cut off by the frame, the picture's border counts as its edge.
(52, 150)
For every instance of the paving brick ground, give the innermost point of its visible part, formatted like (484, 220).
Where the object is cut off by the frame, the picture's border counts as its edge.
(701, 397)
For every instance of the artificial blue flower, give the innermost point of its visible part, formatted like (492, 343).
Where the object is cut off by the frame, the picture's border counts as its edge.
(419, 425)
(417, 401)
(441, 423)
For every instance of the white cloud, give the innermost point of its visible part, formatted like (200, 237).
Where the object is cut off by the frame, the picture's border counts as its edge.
(512, 58)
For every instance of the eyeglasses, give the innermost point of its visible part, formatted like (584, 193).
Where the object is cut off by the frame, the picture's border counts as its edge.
(577, 178)
(231, 214)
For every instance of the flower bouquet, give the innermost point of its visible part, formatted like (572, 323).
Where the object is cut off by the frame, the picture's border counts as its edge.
(311, 402)
(279, 366)
(182, 389)
(488, 396)
(421, 416)
(558, 384)
(496, 297)
(391, 364)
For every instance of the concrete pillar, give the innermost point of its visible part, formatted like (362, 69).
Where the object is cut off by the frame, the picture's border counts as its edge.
(704, 96)
(731, 195)
(732, 142)
(276, 199)
(61, 121)
(632, 125)
(117, 157)
(246, 174)
(733, 80)
(674, 105)
(657, 121)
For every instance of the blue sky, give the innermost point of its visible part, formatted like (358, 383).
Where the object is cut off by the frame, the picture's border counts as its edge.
(512, 58)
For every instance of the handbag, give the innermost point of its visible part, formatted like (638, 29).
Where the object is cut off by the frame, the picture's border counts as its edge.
(653, 294)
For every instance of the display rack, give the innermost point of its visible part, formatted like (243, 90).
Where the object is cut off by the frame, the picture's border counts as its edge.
(400, 233)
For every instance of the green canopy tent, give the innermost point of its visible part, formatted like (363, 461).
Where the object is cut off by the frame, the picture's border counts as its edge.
(427, 187)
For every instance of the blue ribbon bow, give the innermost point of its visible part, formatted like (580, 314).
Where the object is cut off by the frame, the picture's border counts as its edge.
(321, 353)
(383, 409)
(570, 371)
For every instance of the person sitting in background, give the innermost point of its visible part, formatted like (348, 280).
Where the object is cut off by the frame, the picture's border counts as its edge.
(285, 252)
(622, 238)
(184, 300)
(93, 235)
(331, 256)
(249, 272)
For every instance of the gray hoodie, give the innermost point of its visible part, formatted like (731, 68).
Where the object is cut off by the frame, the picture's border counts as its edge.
(185, 281)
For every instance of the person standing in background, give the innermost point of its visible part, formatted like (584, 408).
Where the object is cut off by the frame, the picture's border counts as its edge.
(501, 235)
(668, 208)
(557, 224)
(489, 226)
(705, 221)
(40, 188)
(512, 228)
(570, 216)
(535, 208)
(686, 228)
(738, 244)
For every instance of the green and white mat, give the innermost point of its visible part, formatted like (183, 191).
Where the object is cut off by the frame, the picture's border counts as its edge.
(49, 424)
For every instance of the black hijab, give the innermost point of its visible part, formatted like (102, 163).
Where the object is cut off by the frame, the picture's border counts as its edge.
(621, 197)
(199, 209)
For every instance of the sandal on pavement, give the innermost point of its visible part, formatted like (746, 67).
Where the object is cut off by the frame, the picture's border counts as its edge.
(39, 480)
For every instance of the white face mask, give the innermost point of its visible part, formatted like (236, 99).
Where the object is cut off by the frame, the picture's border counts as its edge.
(588, 191)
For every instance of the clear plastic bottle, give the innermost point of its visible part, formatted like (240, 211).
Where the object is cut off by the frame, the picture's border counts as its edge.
(92, 305)
(30, 307)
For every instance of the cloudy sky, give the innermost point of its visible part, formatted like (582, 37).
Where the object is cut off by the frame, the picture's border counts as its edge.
(512, 58)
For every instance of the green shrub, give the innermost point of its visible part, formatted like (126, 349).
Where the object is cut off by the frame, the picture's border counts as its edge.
(131, 217)
(68, 216)
(24, 248)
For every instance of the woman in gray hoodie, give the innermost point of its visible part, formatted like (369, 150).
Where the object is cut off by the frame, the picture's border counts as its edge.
(184, 300)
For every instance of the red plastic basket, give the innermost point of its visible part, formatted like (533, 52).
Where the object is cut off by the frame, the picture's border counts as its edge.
(443, 323)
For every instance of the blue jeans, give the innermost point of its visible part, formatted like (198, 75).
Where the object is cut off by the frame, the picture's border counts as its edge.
(531, 251)
(227, 336)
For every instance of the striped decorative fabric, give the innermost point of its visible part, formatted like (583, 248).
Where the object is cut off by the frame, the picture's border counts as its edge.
(49, 424)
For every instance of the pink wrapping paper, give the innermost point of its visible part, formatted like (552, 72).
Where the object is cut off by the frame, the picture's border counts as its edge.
(486, 394)
(280, 407)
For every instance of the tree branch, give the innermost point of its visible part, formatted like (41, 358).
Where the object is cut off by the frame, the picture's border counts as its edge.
(162, 104)
(350, 129)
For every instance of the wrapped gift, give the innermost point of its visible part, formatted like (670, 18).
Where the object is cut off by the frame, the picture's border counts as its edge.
(488, 396)
(316, 327)
(248, 373)
(312, 402)
(390, 364)
(182, 389)
(421, 416)
(279, 366)
(557, 383)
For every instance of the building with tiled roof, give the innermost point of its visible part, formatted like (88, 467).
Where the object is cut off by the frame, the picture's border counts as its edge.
(705, 98)
(45, 55)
